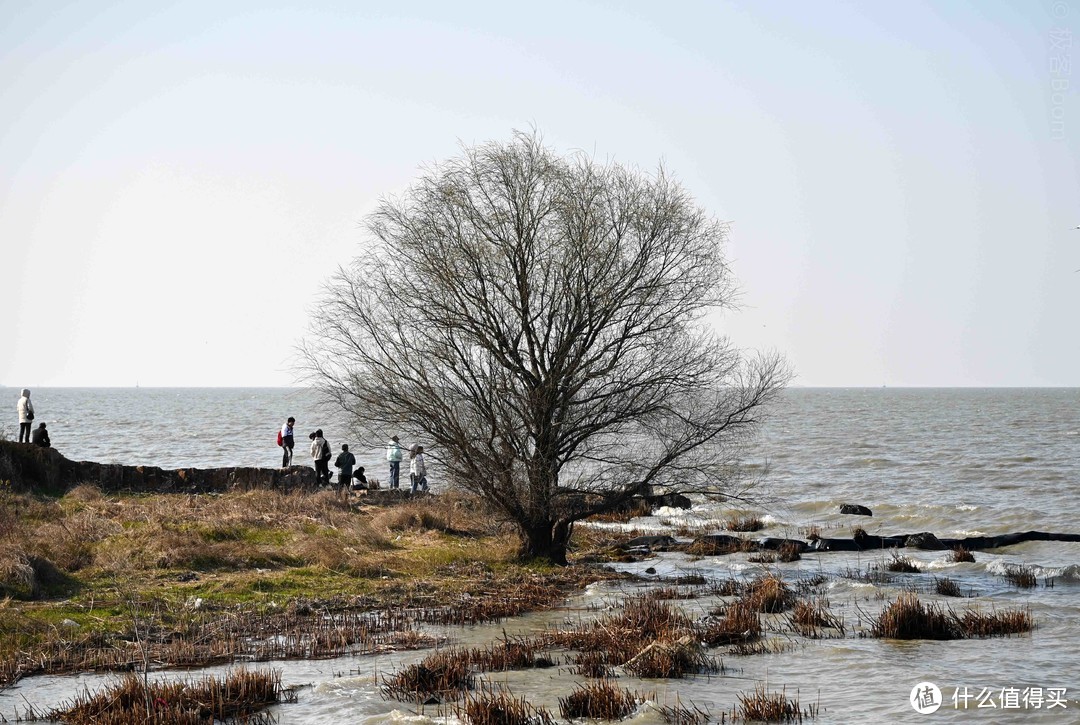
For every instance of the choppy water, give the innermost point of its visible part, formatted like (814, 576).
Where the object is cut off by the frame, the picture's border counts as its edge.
(957, 462)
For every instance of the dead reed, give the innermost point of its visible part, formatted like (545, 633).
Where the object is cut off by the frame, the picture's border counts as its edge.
(679, 714)
(764, 557)
(440, 677)
(1021, 575)
(737, 622)
(909, 618)
(600, 700)
(239, 696)
(769, 594)
(594, 664)
(947, 587)
(960, 554)
(726, 588)
(788, 552)
(761, 705)
(494, 705)
(809, 618)
(744, 524)
(901, 565)
(976, 623)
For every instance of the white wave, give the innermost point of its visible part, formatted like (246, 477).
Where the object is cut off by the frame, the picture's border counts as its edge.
(966, 507)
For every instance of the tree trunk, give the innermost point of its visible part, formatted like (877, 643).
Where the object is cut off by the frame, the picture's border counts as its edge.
(546, 541)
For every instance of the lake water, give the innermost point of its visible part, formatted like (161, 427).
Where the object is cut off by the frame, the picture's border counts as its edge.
(956, 462)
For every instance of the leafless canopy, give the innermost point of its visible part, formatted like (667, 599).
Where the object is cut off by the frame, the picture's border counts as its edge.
(538, 319)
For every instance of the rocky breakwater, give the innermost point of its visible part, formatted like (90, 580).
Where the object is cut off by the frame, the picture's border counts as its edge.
(25, 466)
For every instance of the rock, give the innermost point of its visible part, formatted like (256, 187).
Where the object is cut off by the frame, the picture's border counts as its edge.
(716, 544)
(69, 623)
(923, 540)
(855, 510)
(671, 500)
(650, 542)
(776, 544)
(651, 570)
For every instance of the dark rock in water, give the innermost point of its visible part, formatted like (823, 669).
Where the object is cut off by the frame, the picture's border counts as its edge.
(855, 510)
(825, 544)
(650, 542)
(776, 544)
(868, 541)
(671, 500)
(651, 570)
(717, 544)
(924, 540)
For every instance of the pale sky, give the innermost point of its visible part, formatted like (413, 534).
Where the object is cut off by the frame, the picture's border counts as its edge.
(177, 180)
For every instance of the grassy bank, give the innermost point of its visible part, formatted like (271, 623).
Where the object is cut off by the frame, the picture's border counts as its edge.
(96, 581)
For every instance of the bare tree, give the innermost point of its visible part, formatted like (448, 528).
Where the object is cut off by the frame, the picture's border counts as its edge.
(539, 320)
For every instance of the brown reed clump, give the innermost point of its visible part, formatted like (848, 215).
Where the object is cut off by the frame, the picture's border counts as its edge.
(636, 509)
(947, 587)
(809, 618)
(599, 700)
(1022, 576)
(442, 676)
(669, 593)
(508, 654)
(902, 565)
(960, 554)
(726, 588)
(594, 664)
(976, 623)
(679, 714)
(788, 552)
(494, 705)
(909, 618)
(744, 524)
(672, 660)
(765, 557)
(764, 706)
(769, 594)
(812, 532)
(737, 622)
(239, 696)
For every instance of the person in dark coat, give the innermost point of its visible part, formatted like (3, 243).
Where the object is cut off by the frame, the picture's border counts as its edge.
(40, 436)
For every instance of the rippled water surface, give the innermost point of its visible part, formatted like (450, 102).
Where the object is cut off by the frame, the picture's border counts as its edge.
(956, 462)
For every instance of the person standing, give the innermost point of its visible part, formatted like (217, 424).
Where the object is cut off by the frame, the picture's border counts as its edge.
(26, 414)
(418, 471)
(344, 463)
(40, 436)
(287, 442)
(393, 455)
(320, 456)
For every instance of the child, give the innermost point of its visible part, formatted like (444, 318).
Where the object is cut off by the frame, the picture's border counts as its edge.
(360, 482)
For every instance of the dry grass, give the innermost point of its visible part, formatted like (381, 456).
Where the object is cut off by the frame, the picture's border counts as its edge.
(976, 623)
(901, 565)
(810, 618)
(600, 700)
(737, 622)
(908, 618)
(769, 594)
(744, 524)
(239, 696)
(788, 552)
(441, 677)
(1021, 575)
(960, 554)
(947, 587)
(761, 705)
(494, 705)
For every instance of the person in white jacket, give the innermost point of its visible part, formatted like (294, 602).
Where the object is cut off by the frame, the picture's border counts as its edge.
(26, 416)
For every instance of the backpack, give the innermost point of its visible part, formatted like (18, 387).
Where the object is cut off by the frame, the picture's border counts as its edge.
(280, 440)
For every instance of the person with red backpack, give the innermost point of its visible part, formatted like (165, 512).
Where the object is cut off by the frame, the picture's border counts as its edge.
(285, 440)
